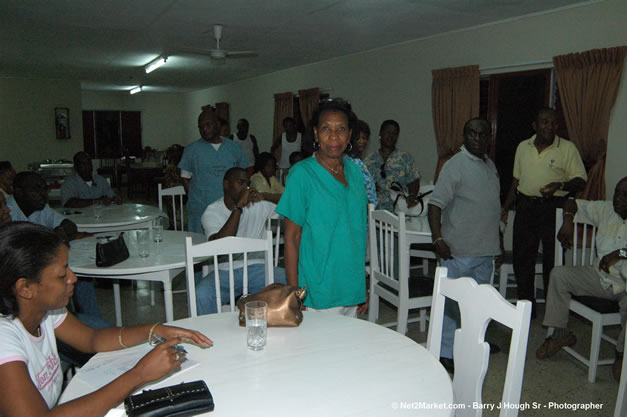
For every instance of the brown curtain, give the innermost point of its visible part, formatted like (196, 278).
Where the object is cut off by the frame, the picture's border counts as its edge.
(308, 103)
(588, 83)
(283, 107)
(222, 110)
(454, 100)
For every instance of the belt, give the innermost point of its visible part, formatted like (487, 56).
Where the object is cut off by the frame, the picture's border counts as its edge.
(539, 200)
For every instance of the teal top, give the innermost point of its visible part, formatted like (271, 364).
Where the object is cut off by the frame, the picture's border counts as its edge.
(332, 256)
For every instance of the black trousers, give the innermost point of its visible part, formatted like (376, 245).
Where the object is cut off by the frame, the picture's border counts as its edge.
(534, 223)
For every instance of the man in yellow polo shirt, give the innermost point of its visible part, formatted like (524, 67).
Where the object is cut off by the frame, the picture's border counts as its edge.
(547, 168)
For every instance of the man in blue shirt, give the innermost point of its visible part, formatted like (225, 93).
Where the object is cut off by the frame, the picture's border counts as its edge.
(84, 188)
(29, 203)
(203, 166)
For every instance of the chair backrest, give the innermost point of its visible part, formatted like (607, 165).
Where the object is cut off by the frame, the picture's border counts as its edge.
(583, 252)
(228, 246)
(389, 253)
(478, 304)
(274, 225)
(175, 193)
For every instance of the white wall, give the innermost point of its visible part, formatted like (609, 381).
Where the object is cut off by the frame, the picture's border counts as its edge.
(162, 115)
(28, 124)
(395, 82)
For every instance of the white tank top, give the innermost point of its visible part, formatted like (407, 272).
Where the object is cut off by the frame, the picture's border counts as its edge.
(247, 147)
(287, 148)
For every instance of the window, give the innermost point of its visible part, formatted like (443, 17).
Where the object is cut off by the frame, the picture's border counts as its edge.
(106, 134)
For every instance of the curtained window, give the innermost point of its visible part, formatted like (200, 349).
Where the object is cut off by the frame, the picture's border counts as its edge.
(454, 100)
(588, 83)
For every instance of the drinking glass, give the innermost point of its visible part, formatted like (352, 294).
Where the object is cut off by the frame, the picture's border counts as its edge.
(157, 230)
(256, 324)
(97, 208)
(143, 243)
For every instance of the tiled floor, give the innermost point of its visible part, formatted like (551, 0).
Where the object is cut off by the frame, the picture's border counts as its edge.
(561, 379)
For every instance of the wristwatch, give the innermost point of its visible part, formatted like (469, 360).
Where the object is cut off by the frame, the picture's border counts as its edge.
(622, 253)
(237, 208)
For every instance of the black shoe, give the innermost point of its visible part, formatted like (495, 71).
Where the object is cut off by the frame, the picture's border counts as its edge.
(448, 364)
(494, 348)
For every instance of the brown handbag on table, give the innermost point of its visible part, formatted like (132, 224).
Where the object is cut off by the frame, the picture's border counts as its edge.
(284, 305)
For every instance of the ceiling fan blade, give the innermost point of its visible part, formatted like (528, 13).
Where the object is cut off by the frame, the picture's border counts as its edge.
(195, 51)
(241, 54)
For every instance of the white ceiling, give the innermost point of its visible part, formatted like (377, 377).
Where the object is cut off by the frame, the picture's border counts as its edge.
(107, 43)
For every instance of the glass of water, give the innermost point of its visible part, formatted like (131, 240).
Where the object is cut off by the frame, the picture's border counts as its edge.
(143, 243)
(157, 230)
(256, 324)
(97, 208)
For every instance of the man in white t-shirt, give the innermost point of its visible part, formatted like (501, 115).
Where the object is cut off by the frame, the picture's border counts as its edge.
(242, 213)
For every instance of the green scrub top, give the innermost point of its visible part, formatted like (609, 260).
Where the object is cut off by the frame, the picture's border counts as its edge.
(332, 256)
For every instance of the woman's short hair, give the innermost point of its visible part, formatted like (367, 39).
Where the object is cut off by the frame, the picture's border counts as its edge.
(25, 249)
(262, 160)
(334, 105)
(389, 122)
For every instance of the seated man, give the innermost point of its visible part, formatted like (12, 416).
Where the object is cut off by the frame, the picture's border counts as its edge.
(84, 188)
(242, 213)
(605, 280)
(30, 203)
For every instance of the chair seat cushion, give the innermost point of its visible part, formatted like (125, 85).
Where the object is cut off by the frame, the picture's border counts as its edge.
(602, 305)
(418, 287)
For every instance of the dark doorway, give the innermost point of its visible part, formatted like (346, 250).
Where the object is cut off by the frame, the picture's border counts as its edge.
(107, 133)
(510, 102)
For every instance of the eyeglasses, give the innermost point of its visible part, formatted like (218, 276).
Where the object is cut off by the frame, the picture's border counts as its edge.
(383, 173)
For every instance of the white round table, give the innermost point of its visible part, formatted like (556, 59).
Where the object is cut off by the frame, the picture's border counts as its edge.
(166, 261)
(114, 217)
(329, 366)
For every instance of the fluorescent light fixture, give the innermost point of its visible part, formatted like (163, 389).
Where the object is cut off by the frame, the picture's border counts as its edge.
(156, 64)
(136, 90)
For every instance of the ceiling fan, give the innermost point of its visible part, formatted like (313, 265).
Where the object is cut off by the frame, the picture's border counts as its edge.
(218, 54)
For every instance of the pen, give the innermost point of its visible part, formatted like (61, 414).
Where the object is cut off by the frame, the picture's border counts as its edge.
(158, 339)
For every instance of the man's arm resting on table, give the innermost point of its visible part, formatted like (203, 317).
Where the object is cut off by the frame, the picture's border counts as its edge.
(292, 247)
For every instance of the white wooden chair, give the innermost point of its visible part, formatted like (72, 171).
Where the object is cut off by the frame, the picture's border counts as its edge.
(175, 193)
(387, 245)
(599, 312)
(478, 304)
(621, 399)
(507, 268)
(274, 225)
(228, 246)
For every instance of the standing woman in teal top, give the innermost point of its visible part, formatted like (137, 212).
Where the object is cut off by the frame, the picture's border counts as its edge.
(324, 206)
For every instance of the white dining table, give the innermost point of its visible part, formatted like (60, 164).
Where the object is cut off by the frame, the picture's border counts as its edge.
(166, 261)
(331, 365)
(115, 217)
(418, 230)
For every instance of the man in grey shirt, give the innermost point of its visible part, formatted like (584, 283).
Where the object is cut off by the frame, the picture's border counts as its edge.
(84, 188)
(464, 215)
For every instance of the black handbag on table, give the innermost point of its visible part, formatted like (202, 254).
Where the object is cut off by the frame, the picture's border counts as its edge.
(185, 399)
(112, 252)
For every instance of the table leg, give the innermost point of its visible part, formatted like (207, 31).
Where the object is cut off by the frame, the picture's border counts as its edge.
(117, 302)
(167, 298)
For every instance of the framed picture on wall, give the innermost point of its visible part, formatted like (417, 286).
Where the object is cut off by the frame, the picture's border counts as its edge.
(62, 122)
